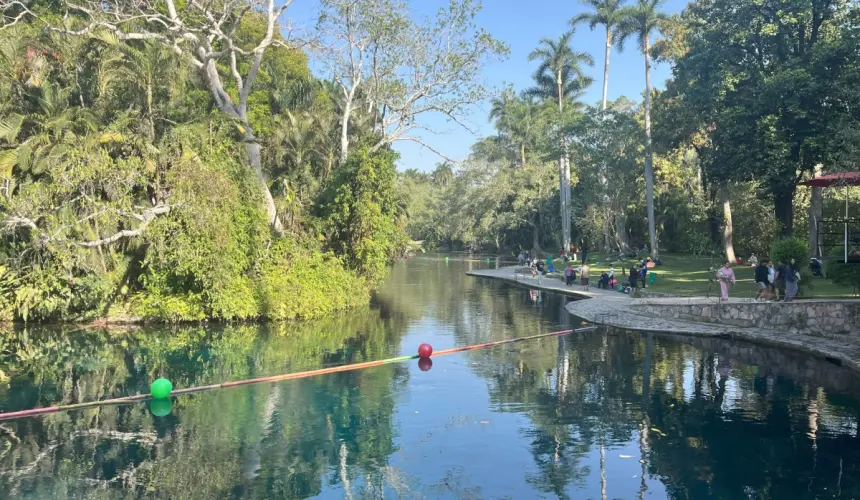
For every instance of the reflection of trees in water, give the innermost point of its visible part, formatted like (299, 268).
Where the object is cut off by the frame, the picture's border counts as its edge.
(714, 427)
(708, 424)
(263, 441)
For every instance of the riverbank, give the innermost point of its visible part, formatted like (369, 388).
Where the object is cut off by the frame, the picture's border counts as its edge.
(618, 310)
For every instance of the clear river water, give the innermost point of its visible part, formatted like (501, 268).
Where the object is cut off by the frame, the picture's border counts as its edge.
(602, 414)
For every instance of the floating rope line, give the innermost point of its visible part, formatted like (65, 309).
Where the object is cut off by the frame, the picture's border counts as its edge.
(275, 378)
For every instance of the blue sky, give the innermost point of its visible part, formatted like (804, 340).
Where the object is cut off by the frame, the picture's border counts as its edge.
(520, 24)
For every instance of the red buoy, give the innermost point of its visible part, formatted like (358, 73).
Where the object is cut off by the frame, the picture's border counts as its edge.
(425, 351)
(424, 364)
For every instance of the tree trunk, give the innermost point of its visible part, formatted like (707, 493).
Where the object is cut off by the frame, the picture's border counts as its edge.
(816, 212)
(606, 67)
(728, 228)
(649, 160)
(253, 149)
(536, 235)
(523, 154)
(565, 186)
(344, 129)
(563, 173)
(621, 230)
(149, 112)
(783, 208)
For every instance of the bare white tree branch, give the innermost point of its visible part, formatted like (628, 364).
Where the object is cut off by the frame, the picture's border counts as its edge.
(414, 69)
(145, 219)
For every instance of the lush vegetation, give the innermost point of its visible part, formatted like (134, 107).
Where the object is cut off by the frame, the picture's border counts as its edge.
(180, 162)
(760, 100)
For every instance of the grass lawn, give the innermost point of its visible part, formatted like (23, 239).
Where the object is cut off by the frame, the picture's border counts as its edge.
(688, 275)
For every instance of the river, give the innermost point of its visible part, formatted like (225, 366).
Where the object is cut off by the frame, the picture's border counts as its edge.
(600, 414)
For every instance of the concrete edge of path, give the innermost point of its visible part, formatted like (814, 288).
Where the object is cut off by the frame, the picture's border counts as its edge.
(614, 309)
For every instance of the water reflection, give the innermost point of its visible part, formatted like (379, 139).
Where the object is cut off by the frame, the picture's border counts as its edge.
(598, 415)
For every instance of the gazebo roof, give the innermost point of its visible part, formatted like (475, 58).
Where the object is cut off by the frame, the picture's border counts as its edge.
(837, 179)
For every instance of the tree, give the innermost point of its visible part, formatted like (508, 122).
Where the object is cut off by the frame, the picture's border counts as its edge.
(560, 79)
(401, 70)
(643, 20)
(226, 43)
(144, 69)
(609, 14)
(515, 119)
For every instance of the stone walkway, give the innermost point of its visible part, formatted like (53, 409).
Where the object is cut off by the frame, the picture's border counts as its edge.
(615, 309)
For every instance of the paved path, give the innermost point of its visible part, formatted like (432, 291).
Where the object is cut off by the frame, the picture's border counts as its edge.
(615, 309)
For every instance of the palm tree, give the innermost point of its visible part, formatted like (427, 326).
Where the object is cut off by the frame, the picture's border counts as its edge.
(443, 175)
(643, 20)
(514, 119)
(147, 68)
(560, 78)
(609, 14)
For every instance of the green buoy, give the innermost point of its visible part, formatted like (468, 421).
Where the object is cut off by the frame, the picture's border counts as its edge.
(161, 388)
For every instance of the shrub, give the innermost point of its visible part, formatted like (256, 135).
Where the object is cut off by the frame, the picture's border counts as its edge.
(790, 248)
(844, 274)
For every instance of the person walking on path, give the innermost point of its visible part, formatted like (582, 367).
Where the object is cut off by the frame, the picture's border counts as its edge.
(568, 275)
(540, 270)
(771, 279)
(762, 281)
(584, 275)
(726, 275)
(788, 276)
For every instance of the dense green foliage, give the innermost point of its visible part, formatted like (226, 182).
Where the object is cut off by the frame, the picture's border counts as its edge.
(787, 249)
(844, 274)
(126, 194)
(758, 98)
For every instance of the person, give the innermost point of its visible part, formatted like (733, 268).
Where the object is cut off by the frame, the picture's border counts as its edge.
(753, 261)
(762, 280)
(540, 269)
(634, 275)
(771, 278)
(786, 275)
(726, 275)
(611, 272)
(604, 281)
(643, 273)
(562, 254)
(573, 251)
(568, 275)
(584, 275)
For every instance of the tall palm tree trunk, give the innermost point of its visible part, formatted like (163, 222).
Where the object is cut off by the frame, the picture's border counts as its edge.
(649, 159)
(563, 175)
(606, 67)
(607, 237)
(728, 227)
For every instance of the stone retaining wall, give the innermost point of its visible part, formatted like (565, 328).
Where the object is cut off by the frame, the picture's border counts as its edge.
(824, 318)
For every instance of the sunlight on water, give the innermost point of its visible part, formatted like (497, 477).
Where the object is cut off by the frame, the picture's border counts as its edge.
(593, 415)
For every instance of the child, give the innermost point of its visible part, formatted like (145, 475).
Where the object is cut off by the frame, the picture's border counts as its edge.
(568, 275)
